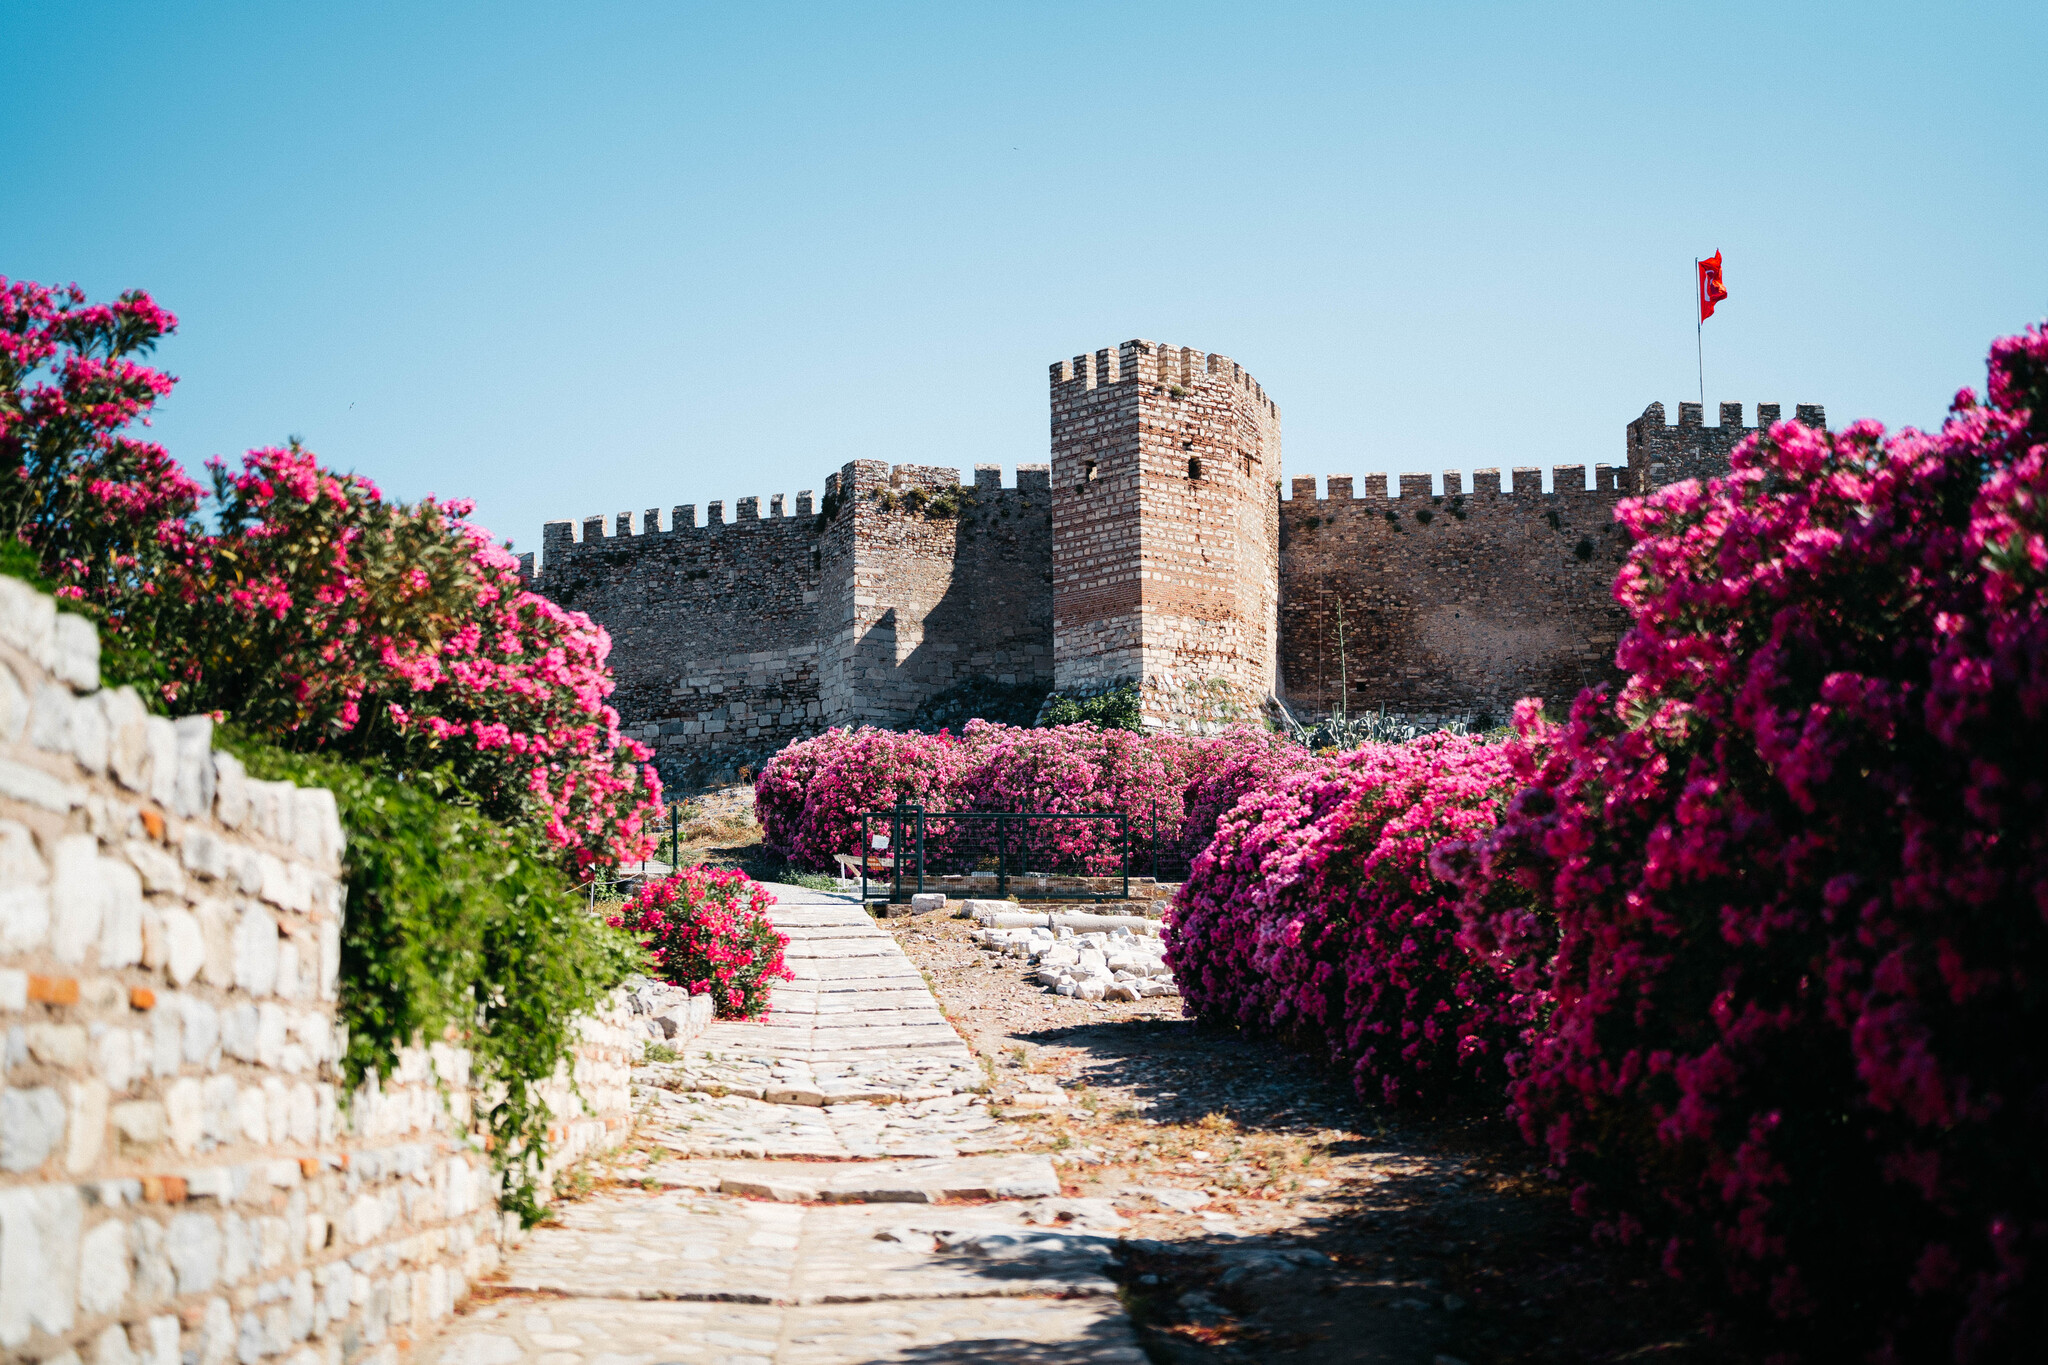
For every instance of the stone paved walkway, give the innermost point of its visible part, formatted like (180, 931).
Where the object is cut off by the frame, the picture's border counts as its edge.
(837, 1194)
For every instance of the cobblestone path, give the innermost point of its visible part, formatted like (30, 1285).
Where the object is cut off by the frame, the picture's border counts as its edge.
(828, 1188)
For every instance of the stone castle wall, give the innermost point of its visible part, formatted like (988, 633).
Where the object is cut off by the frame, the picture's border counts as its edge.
(925, 599)
(1455, 604)
(1155, 549)
(731, 639)
(181, 1182)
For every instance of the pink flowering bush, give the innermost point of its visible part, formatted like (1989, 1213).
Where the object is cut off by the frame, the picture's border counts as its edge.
(707, 930)
(313, 613)
(809, 796)
(1242, 760)
(328, 618)
(1788, 886)
(1314, 917)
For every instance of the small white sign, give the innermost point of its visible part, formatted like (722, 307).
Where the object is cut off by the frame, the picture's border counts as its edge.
(881, 841)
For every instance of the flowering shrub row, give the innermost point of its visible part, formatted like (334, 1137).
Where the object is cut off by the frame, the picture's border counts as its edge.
(1314, 917)
(1757, 940)
(1173, 787)
(1788, 886)
(707, 931)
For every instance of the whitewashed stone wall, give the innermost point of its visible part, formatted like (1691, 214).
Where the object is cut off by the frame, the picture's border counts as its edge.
(180, 1180)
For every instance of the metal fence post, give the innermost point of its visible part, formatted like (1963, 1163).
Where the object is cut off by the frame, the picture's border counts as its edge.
(1002, 858)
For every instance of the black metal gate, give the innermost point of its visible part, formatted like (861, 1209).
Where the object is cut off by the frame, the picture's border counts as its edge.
(1005, 855)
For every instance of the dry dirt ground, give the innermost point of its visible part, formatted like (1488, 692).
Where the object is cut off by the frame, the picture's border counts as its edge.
(1396, 1237)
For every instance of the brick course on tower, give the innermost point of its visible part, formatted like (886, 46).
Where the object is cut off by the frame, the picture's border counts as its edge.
(1156, 550)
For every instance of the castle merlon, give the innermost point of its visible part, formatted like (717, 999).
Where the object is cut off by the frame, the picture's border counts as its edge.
(988, 480)
(1564, 478)
(1151, 363)
(1693, 415)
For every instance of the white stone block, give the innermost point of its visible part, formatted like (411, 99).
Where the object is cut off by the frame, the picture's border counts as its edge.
(166, 1046)
(28, 621)
(185, 1111)
(156, 1341)
(49, 720)
(39, 1233)
(217, 1334)
(230, 791)
(249, 1115)
(192, 1243)
(77, 896)
(201, 1028)
(157, 866)
(256, 951)
(121, 923)
(127, 737)
(193, 784)
(13, 989)
(184, 946)
(89, 738)
(34, 787)
(14, 707)
(316, 827)
(110, 1347)
(161, 737)
(114, 1059)
(31, 1126)
(217, 921)
(271, 1035)
(330, 959)
(77, 652)
(103, 1268)
(24, 889)
(238, 1031)
(204, 853)
(87, 1136)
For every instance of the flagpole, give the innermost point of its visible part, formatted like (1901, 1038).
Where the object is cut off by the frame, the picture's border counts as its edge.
(1699, 344)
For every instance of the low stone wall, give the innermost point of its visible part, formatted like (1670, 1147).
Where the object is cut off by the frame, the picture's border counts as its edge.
(181, 1179)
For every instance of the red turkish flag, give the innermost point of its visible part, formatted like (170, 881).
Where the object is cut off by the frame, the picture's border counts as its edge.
(1712, 290)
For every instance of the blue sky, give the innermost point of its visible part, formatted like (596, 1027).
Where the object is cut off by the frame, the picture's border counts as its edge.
(577, 259)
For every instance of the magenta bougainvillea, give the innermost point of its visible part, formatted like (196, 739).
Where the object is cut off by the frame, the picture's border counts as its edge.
(708, 932)
(1793, 876)
(809, 797)
(1314, 916)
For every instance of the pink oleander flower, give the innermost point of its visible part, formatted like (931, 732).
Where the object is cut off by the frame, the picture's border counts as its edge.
(708, 931)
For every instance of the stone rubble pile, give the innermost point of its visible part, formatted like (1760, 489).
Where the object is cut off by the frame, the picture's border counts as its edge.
(669, 1013)
(1112, 965)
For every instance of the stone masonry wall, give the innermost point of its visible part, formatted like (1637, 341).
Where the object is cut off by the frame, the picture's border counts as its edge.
(1156, 549)
(1166, 464)
(1454, 605)
(715, 628)
(180, 1180)
(919, 600)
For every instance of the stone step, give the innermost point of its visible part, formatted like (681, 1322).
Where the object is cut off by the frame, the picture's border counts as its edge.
(867, 1182)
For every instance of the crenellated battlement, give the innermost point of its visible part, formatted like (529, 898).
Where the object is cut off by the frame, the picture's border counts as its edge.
(1155, 365)
(1524, 482)
(561, 536)
(1661, 453)
(1160, 545)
